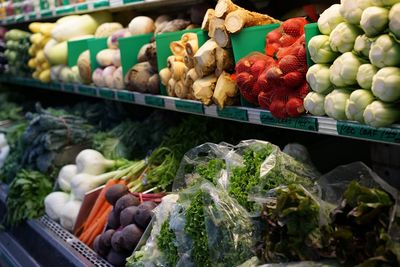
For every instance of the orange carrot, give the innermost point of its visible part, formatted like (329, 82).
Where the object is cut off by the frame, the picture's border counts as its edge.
(98, 227)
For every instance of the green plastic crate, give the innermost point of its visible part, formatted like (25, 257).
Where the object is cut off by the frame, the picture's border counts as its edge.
(75, 49)
(129, 49)
(95, 45)
(311, 30)
(163, 52)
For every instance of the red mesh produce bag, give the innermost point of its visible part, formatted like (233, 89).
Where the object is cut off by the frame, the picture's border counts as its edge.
(248, 70)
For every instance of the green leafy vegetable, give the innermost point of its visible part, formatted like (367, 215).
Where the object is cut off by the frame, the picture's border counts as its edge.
(26, 195)
(165, 242)
(211, 170)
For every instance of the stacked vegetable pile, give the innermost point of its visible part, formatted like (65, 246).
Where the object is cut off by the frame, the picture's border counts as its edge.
(126, 223)
(357, 74)
(110, 72)
(17, 45)
(3, 59)
(143, 76)
(70, 28)
(276, 81)
(38, 62)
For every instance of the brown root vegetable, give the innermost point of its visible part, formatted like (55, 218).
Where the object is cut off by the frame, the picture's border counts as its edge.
(138, 77)
(224, 61)
(172, 59)
(177, 48)
(85, 71)
(165, 76)
(204, 59)
(224, 90)
(127, 216)
(124, 202)
(161, 19)
(224, 7)
(215, 23)
(153, 85)
(115, 192)
(172, 26)
(142, 57)
(99, 248)
(237, 20)
(178, 70)
(221, 36)
(171, 87)
(189, 36)
(181, 90)
(107, 29)
(132, 235)
(151, 55)
(118, 79)
(189, 61)
(207, 17)
(192, 47)
(141, 25)
(203, 89)
(190, 77)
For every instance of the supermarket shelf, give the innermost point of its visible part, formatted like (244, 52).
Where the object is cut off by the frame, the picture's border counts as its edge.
(97, 5)
(43, 242)
(313, 124)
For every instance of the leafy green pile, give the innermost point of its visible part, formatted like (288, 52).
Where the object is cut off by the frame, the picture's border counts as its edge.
(165, 242)
(26, 195)
(211, 170)
(293, 230)
(244, 178)
(361, 223)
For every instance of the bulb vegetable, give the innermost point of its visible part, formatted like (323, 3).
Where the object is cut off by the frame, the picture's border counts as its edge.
(54, 204)
(90, 161)
(320, 50)
(69, 214)
(394, 20)
(342, 38)
(356, 104)
(381, 114)
(385, 51)
(365, 74)
(65, 175)
(329, 19)
(351, 10)
(318, 77)
(386, 84)
(314, 103)
(374, 20)
(362, 45)
(344, 70)
(335, 104)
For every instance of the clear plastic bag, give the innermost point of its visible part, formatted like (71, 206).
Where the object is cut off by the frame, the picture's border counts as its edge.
(255, 167)
(206, 161)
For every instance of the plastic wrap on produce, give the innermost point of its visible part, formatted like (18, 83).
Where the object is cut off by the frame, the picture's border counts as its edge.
(203, 161)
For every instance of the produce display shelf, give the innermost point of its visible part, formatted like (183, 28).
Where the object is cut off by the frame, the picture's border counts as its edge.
(29, 244)
(92, 6)
(313, 124)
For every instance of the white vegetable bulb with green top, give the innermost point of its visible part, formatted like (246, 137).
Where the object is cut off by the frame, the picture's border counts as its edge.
(335, 104)
(351, 10)
(344, 70)
(381, 114)
(343, 37)
(318, 77)
(394, 20)
(386, 84)
(374, 20)
(320, 50)
(385, 52)
(329, 19)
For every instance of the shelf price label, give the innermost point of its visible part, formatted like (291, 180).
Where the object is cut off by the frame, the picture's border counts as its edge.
(68, 87)
(126, 96)
(301, 123)
(10, 19)
(65, 10)
(233, 113)
(131, 1)
(350, 129)
(32, 15)
(154, 101)
(46, 13)
(19, 18)
(86, 90)
(82, 7)
(189, 106)
(107, 93)
(100, 4)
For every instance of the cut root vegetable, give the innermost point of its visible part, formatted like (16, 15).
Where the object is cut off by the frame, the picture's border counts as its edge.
(224, 7)
(204, 59)
(178, 70)
(177, 48)
(189, 61)
(214, 24)
(165, 76)
(181, 90)
(237, 20)
(191, 47)
(221, 36)
(190, 77)
(203, 89)
(224, 60)
(225, 90)
(207, 17)
(171, 87)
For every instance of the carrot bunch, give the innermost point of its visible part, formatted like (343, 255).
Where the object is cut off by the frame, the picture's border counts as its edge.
(98, 216)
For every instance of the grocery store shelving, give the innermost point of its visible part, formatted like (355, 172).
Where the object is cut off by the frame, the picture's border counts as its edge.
(43, 242)
(92, 6)
(313, 124)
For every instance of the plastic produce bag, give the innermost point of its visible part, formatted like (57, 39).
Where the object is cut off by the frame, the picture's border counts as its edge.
(255, 167)
(206, 161)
